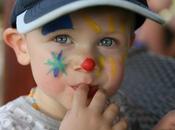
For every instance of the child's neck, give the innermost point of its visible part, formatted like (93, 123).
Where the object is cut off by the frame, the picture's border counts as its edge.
(49, 106)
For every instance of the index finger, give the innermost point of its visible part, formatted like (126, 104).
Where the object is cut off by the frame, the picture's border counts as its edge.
(80, 97)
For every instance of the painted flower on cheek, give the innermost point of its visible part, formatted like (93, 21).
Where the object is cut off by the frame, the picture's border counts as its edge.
(56, 64)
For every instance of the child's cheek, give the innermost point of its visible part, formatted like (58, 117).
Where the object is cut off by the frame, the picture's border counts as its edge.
(114, 65)
(56, 64)
(52, 86)
(101, 65)
(55, 71)
(123, 57)
(115, 71)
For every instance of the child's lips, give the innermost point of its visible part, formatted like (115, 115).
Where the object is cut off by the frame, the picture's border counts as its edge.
(92, 90)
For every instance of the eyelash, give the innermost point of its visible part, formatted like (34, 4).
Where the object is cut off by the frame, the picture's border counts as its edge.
(114, 42)
(68, 40)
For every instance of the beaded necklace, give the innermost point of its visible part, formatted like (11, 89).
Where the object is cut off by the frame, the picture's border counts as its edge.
(34, 104)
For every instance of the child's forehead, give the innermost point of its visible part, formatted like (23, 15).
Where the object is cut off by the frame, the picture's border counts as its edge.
(93, 16)
(100, 15)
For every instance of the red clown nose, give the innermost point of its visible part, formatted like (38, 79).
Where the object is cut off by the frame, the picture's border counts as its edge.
(88, 64)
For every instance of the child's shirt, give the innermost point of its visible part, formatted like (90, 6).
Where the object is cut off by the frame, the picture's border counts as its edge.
(20, 115)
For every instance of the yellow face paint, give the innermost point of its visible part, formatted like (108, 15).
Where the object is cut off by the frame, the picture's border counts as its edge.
(101, 61)
(123, 26)
(124, 57)
(113, 66)
(112, 24)
(92, 24)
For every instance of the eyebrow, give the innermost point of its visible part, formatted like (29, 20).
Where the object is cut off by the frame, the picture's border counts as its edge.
(63, 22)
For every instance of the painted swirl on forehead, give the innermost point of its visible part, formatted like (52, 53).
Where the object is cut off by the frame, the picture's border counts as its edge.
(57, 65)
(63, 22)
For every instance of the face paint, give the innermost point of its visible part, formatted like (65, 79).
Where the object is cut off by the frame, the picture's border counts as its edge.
(88, 64)
(57, 64)
(63, 22)
(101, 61)
(92, 24)
(113, 68)
(124, 57)
(123, 26)
(112, 25)
(124, 54)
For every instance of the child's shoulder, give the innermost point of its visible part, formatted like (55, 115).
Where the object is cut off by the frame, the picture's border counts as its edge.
(10, 114)
(17, 115)
(13, 106)
(20, 115)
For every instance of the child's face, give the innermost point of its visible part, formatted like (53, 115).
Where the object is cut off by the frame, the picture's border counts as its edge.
(57, 55)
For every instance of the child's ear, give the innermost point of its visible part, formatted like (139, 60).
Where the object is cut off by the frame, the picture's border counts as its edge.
(131, 40)
(18, 42)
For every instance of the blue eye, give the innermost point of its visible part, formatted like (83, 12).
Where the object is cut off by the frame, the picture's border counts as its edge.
(107, 42)
(63, 39)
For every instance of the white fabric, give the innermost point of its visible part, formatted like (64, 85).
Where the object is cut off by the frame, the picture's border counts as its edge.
(23, 27)
(19, 115)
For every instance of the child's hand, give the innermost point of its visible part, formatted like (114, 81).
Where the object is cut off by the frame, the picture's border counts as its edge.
(167, 122)
(95, 116)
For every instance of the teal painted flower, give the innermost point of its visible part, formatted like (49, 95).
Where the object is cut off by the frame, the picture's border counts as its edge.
(57, 64)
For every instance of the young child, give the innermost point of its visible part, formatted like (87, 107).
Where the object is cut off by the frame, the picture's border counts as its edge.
(76, 49)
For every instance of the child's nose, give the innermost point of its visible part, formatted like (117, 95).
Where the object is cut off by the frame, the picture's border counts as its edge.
(88, 64)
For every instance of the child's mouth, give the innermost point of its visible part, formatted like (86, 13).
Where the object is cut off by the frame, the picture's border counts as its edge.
(92, 90)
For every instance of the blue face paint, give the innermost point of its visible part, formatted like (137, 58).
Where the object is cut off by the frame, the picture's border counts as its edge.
(63, 22)
(57, 63)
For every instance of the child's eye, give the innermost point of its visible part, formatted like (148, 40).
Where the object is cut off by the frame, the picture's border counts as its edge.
(63, 39)
(108, 42)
